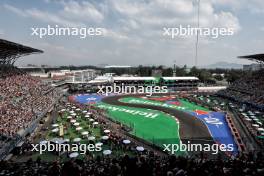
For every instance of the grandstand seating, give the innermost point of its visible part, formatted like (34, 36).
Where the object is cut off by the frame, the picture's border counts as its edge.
(249, 89)
(22, 99)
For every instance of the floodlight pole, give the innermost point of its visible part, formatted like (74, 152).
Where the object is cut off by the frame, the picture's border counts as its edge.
(197, 35)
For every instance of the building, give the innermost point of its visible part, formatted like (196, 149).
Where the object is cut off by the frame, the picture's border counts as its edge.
(83, 75)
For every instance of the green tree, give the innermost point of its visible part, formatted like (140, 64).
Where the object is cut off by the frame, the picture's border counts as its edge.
(218, 77)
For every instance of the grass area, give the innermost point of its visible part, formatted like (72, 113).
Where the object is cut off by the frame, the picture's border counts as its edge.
(192, 106)
(70, 132)
(151, 125)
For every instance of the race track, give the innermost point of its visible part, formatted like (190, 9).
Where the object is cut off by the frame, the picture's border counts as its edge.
(191, 128)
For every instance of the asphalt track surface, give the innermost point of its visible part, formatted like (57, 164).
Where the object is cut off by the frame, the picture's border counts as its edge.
(192, 129)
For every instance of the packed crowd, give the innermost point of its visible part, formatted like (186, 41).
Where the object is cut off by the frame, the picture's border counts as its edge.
(23, 98)
(247, 89)
(147, 164)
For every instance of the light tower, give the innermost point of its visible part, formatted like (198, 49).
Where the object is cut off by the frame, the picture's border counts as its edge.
(197, 35)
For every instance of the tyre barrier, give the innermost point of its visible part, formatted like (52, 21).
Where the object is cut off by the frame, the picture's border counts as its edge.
(236, 135)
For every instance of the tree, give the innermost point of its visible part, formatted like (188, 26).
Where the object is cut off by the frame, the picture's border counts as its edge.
(205, 76)
(218, 77)
(194, 71)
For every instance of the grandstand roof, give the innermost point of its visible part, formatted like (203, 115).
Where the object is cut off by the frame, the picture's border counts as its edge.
(10, 51)
(132, 78)
(254, 57)
(120, 78)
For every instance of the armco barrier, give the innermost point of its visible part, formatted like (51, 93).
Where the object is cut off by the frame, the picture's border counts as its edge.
(5, 150)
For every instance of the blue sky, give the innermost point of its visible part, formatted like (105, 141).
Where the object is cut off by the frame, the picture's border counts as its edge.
(134, 30)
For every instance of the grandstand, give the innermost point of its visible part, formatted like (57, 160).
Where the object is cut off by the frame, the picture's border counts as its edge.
(10, 52)
(164, 81)
(181, 83)
(249, 89)
(247, 94)
(255, 57)
(24, 99)
(173, 83)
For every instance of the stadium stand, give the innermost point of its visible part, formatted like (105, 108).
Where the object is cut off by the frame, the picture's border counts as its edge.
(249, 89)
(248, 93)
(10, 52)
(23, 98)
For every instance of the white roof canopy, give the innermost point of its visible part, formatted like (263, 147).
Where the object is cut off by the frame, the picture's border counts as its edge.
(119, 78)
(180, 78)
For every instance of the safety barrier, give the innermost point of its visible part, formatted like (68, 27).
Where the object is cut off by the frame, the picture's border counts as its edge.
(236, 135)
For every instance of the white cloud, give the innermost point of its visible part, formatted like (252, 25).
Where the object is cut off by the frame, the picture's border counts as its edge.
(234, 4)
(43, 16)
(133, 15)
(72, 13)
(254, 6)
(15, 10)
(228, 20)
(51, 18)
(169, 12)
(81, 11)
(145, 20)
(114, 35)
(134, 28)
(128, 8)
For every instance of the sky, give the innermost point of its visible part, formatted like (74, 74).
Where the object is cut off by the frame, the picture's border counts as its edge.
(133, 31)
